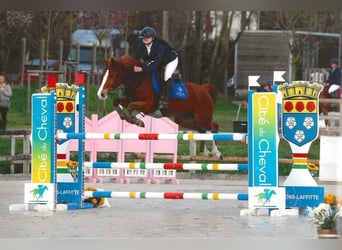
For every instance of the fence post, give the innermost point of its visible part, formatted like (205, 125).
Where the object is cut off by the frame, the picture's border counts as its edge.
(340, 121)
(26, 151)
(12, 167)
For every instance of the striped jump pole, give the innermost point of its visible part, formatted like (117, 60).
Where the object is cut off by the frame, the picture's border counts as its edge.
(168, 166)
(155, 136)
(166, 195)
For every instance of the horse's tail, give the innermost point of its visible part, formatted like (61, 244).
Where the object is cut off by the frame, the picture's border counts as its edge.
(212, 90)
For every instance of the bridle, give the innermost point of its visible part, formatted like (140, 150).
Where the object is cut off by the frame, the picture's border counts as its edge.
(111, 72)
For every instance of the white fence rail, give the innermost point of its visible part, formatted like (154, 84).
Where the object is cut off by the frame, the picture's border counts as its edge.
(15, 157)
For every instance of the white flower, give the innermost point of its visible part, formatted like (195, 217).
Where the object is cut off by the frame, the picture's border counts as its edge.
(323, 216)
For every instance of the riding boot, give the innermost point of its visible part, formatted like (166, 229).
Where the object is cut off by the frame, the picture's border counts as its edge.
(164, 99)
(164, 102)
(333, 94)
(157, 113)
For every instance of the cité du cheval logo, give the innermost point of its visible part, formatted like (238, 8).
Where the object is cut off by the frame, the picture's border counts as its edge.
(38, 192)
(265, 197)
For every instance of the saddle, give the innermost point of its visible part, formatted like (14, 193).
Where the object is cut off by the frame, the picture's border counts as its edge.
(336, 94)
(179, 90)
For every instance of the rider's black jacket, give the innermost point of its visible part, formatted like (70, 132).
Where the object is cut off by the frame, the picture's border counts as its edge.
(160, 55)
(335, 76)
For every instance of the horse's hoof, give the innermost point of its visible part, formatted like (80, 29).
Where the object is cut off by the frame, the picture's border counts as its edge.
(140, 123)
(135, 121)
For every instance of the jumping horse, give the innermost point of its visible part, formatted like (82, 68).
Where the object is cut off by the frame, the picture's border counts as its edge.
(325, 107)
(194, 112)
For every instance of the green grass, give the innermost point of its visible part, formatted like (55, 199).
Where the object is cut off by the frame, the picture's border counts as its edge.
(224, 114)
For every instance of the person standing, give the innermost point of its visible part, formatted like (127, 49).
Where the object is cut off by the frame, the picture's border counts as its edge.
(5, 95)
(156, 52)
(266, 87)
(334, 79)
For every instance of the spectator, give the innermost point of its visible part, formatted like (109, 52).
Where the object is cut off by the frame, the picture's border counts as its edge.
(5, 94)
(266, 87)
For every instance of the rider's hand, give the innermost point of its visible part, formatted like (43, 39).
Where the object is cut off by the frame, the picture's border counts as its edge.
(137, 69)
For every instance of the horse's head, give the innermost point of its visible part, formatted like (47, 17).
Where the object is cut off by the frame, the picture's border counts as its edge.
(112, 78)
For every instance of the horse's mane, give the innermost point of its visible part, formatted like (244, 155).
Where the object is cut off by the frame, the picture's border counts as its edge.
(128, 61)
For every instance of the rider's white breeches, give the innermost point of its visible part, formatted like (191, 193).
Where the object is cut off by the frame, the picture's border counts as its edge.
(332, 88)
(170, 68)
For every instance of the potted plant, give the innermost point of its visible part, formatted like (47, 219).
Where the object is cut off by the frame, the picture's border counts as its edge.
(73, 169)
(325, 216)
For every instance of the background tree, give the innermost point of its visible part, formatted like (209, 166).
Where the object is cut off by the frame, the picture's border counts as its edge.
(13, 25)
(303, 46)
(50, 27)
(104, 21)
(205, 40)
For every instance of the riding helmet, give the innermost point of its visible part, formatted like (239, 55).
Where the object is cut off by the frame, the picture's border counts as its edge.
(147, 32)
(334, 60)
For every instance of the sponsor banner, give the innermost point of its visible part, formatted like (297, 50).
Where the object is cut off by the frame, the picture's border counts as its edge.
(297, 196)
(68, 192)
(266, 197)
(263, 140)
(42, 138)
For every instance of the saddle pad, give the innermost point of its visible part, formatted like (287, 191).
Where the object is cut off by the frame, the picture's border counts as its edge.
(155, 83)
(179, 91)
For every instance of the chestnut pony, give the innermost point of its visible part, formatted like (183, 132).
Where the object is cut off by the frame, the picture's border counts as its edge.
(194, 113)
(325, 107)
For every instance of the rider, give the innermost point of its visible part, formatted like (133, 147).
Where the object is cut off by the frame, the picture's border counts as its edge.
(155, 52)
(334, 79)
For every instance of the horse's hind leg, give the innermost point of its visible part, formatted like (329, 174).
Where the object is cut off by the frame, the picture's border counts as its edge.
(215, 152)
(214, 149)
(203, 149)
(188, 121)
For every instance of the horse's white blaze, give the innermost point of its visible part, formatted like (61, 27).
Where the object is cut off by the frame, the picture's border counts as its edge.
(101, 86)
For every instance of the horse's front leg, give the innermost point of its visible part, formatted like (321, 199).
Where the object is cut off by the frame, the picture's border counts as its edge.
(137, 106)
(120, 101)
(129, 117)
(141, 106)
(118, 104)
